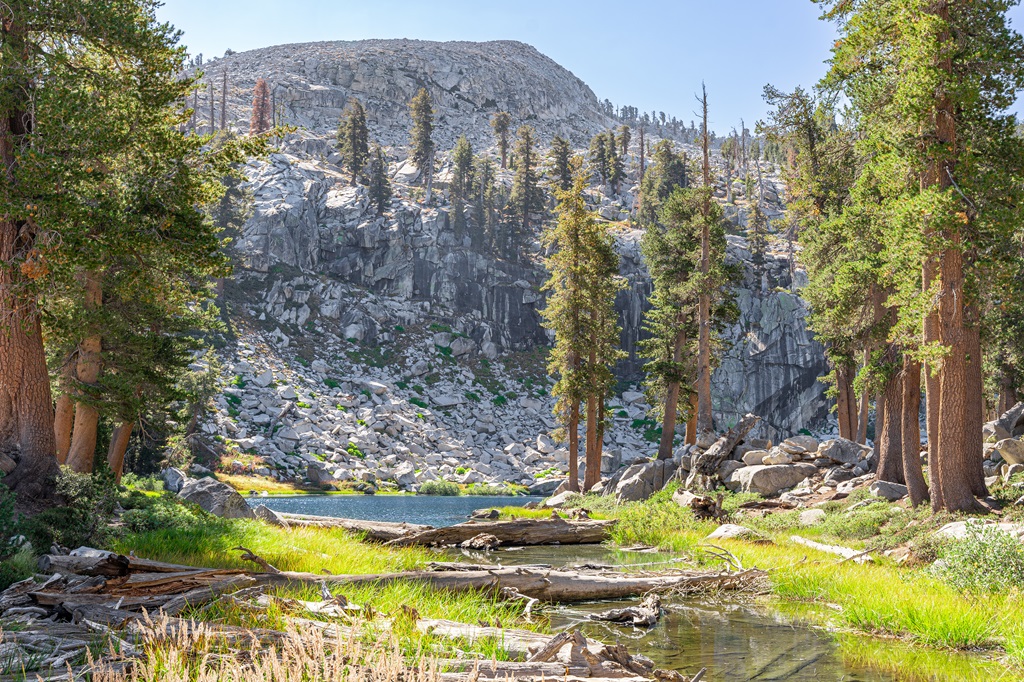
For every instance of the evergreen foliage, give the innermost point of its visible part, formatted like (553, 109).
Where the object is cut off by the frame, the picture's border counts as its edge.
(666, 173)
(461, 185)
(526, 197)
(501, 122)
(354, 139)
(380, 184)
(559, 170)
(421, 108)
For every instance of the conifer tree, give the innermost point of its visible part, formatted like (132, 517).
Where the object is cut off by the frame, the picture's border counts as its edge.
(261, 112)
(559, 170)
(526, 198)
(353, 140)
(501, 122)
(666, 173)
(486, 209)
(583, 281)
(929, 83)
(625, 137)
(380, 185)
(706, 284)
(421, 108)
(461, 185)
(616, 169)
(599, 156)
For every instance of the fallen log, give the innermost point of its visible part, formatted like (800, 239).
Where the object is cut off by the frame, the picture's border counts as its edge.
(377, 531)
(549, 531)
(643, 615)
(549, 586)
(847, 553)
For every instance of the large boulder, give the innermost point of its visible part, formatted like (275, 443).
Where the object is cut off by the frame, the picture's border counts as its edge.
(731, 531)
(888, 491)
(641, 481)
(798, 445)
(1012, 421)
(771, 479)
(318, 474)
(405, 475)
(547, 487)
(1011, 450)
(218, 498)
(958, 530)
(174, 479)
(843, 451)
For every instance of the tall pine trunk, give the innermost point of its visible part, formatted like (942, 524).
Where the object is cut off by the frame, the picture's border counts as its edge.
(119, 440)
(704, 419)
(81, 456)
(975, 401)
(865, 407)
(889, 424)
(691, 422)
(574, 447)
(668, 425)
(912, 472)
(26, 408)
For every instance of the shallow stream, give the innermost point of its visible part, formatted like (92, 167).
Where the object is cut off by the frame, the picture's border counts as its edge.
(735, 640)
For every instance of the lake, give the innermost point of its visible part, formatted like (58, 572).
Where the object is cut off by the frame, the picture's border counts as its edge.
(427, 509)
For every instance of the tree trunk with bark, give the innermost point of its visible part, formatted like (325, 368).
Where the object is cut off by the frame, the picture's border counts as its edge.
(691, 422)
(704, 419)
(668, 422)
(911, 437)
(889, 423)
(81, 456)
(119, 440)
(574, 447)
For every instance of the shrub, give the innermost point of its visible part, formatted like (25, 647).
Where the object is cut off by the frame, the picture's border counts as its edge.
(499, 400)
(167, 511)
(84, 521)
(149, 483)
(18, 567)
(985, 560)
(470, 395)
(487, 489)
(331, 383)
(442, 488)
(461, 470)
(354, 451)
(418, 402)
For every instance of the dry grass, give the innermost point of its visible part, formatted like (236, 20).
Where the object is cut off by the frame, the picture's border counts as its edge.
(203, 654)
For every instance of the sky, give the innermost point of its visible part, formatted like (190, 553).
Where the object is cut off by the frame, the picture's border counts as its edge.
(651, 54)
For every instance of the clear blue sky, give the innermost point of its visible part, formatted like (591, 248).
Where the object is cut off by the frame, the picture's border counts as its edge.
(652, 54)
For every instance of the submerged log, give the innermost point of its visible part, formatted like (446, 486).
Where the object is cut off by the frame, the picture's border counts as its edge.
(377, 531)
(550, 531)
(643, 615)
(550, 586)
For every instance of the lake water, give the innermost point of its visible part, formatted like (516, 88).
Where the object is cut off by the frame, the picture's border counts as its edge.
(427, 509)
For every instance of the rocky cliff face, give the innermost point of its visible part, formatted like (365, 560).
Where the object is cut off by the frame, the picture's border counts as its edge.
(307, 217)
(469, 82)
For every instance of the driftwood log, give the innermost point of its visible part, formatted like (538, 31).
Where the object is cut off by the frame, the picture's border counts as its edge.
(848, 553)
(704, 469)
(550, 586)
(643, 615)
(549, 531)
(377, 531)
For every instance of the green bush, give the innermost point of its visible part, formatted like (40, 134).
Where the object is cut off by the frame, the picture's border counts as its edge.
(354, 451)
(487, 489)
(985, 560)
(499, 400)
(152, 484)
(167, 511)
(418, 402)
(18, 567)
(461, 470)
(331, 383)
(84, 521)
(441, 488)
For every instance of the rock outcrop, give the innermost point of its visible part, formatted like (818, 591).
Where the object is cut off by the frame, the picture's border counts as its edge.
(218, 498)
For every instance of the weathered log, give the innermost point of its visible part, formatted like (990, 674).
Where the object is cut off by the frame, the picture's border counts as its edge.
(377, 531)
(549, 586)
(643, 615)
(109, 564)
(516, 532)
(704, 470)
(520, 644)
(847, 553)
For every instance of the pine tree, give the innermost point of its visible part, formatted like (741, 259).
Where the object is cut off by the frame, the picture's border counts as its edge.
(666, 173)
(929, 84)
(501, 122)
(558, 164)
(353, 139)
(583, 280)
(625, 137)
(421, 108)
(706, 286)
(380, 185)
(132, 187)
(461, 185)
(261, 111)
(599, 156)
(526, 198)
(616, 169)
(486, 207)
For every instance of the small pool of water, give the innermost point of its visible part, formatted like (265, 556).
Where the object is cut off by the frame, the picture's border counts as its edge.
(427, 509)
